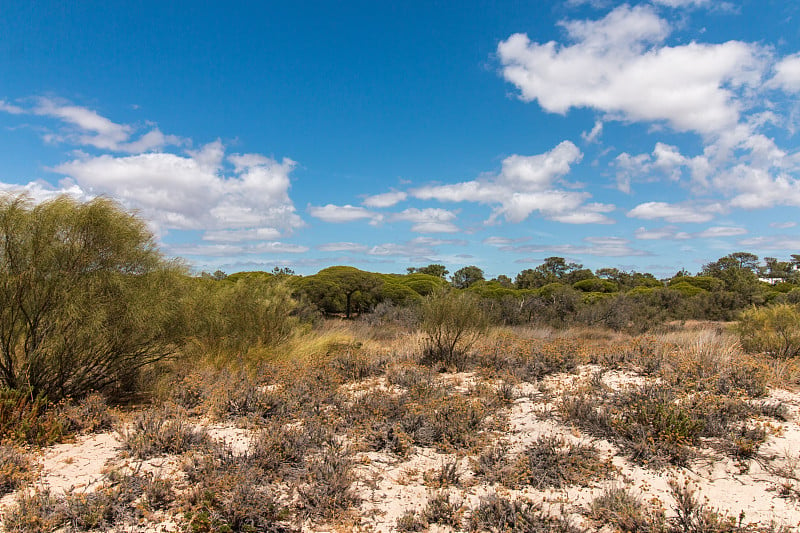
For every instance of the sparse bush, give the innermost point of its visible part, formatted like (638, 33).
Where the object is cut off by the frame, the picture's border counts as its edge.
(551, 462)
(620, 508)
(26, 418)
(452, 321)
(89, 415)
(229, 496)
(158, 431)
(408, 375)
(16, 469)
(411, 521)
(35, 512)
(445, 476)
(277, 447)
(774, 330)
(328, 488)
(441, 510)
(498, 514)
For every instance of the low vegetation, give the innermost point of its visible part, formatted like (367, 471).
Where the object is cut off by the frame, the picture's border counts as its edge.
(323, 377)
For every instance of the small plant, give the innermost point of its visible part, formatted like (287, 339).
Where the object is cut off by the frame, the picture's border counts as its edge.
(495, 513)
(26, 418)
(445, 476)
(35, 512)
(620, 508)
(89, 415)
(16, 469)
(491, 463)
(551, 462)
(328, 490)
(411, 521)
(277, 447)
(440, 510)
(158, 431)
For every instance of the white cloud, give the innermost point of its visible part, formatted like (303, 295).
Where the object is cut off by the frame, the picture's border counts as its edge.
(342, 247)
(524, 185)
(682, 3)
(409, 250)
(242, 235)
(86, 127)
(673, 213)
(594, 134)
(387, 199)
(192, 192)
(230, 250)
(41, 191)
(342, 213)
(10, 108)
(597, 246)
(434, 241)
(777, 242)
(783, 225)
(658, 234)
(716, 232)
(787, 74)
(587, 214)
(428, 220)
(618, 65)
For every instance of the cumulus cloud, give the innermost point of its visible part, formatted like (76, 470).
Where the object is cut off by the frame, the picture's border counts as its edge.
(428, 220)
(387, 199)
(342, 247)
(716, 232)
(620, 66)
(10, 108)
(525, 184)
(674, 213)
(787, 74)
(342, 213)
(659, 234)
(594, 134)
(242, 235)
(89, 128)
(194, 192)
(230, 250)
(783, 225)
(682, 3)
(85, 127)
(776, 242)
(597, 246)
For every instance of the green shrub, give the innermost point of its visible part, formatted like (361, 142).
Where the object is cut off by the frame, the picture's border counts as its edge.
(86, 299)
(774, 330)
(452, 321)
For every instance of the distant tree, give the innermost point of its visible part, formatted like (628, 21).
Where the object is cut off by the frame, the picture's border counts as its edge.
(738, 272)
(433, 270)
(553, 270)
(282, 271)
(577, 275)
(466, 276)
(218, 275)
(349, 281)
(504, 281)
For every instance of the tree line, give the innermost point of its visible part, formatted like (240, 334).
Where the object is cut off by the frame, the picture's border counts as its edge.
(87, 300)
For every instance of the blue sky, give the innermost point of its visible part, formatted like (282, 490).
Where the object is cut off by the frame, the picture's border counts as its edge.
(648, 136)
